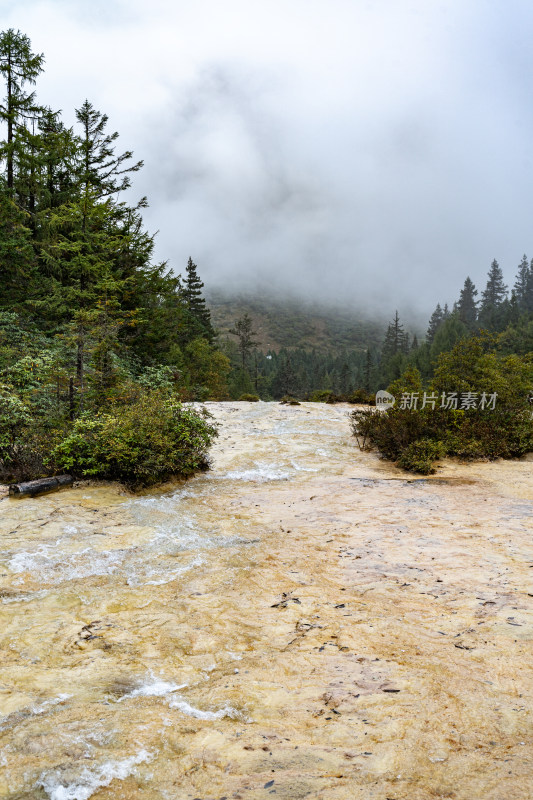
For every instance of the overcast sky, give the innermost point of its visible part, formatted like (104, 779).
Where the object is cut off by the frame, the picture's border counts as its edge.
(372, 152)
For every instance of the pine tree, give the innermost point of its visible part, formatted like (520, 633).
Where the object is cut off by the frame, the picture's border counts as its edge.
(513, 312)
(451, 331)
(492, 311)
(99, 169)
(17, 263)
(27, 166)
(435, 321)
(20, 67)
(285, 381)
(345, 379)
(467, 305)
(199, 314)
(495, 291)
(244, 332)
(396, 339)
(521, 282)
(367, 371)
(59, 149)
(77, 257)
(528, 291)
(87, 234)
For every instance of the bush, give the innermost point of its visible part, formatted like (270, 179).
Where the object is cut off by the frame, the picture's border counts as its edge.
(324, 396)
(249, 398)
(391, 431)
(14, 416)
(420, 456)
(287, 400)
(23, 444)
(415, 438)
(362, 397)
(141, 444)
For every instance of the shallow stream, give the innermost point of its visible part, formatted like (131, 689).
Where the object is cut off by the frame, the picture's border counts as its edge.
(303, 620)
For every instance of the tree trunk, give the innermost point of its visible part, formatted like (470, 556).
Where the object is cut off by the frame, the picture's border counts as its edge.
(31, 488)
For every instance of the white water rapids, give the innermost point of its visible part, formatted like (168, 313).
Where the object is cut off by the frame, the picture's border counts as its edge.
(303, 620)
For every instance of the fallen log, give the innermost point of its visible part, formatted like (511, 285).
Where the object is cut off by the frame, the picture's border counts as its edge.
(40, 486)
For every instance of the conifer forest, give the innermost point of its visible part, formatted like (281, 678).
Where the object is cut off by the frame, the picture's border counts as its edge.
(92, 328)
(266, 400)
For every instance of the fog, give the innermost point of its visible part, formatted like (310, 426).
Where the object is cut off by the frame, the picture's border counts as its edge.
(367, 153)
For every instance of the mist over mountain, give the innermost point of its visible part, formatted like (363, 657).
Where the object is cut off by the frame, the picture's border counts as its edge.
(280, 322)
(369, 154)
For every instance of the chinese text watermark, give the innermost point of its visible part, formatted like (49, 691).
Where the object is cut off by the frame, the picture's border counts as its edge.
(449, 400)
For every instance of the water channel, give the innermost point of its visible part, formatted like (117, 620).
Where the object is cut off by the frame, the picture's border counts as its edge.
(302, 621)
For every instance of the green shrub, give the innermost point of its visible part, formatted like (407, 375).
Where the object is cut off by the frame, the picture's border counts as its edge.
(420, 456)
(391, 431)
(324, 396)
(160, 377)
(409, 381)
(15, 419)
(141, 444)
(25, 439)
(362, 397)
(14, 416)
(249, 398)
(287, 400)
(415, 438)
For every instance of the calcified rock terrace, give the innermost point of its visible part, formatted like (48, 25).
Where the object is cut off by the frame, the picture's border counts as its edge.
(302, 621)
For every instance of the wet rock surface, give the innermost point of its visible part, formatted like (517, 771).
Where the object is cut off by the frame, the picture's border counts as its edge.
(302, 621)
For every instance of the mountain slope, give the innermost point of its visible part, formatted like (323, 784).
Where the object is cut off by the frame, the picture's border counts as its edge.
(283, 323)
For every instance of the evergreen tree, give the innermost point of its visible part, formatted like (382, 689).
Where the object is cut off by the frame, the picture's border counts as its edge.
(100, 170)
(19, 67)
(16, 255)
(521, 282)
(396, 339)
(79, 259)
(421, 359)
(513, 309)
(59, 149)
(367, 371)
(244, 332)
(27, 164)
(199, 314)
(447, 335)
(495, 291)
(394, 351)
(528, 292)
(492, 311)
(467, 305)
(435, 321)
(86, 234)
(345, 379)
(285, 381)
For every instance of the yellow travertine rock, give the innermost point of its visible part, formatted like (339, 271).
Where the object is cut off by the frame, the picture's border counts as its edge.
(304, 619)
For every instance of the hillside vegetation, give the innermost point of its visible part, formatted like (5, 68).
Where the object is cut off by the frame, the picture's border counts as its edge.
(279, 323)
(100, 345)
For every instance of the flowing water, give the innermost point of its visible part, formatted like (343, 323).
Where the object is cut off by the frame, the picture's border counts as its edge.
(304, 620)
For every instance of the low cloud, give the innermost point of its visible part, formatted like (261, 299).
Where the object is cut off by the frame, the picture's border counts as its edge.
(369, 154)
